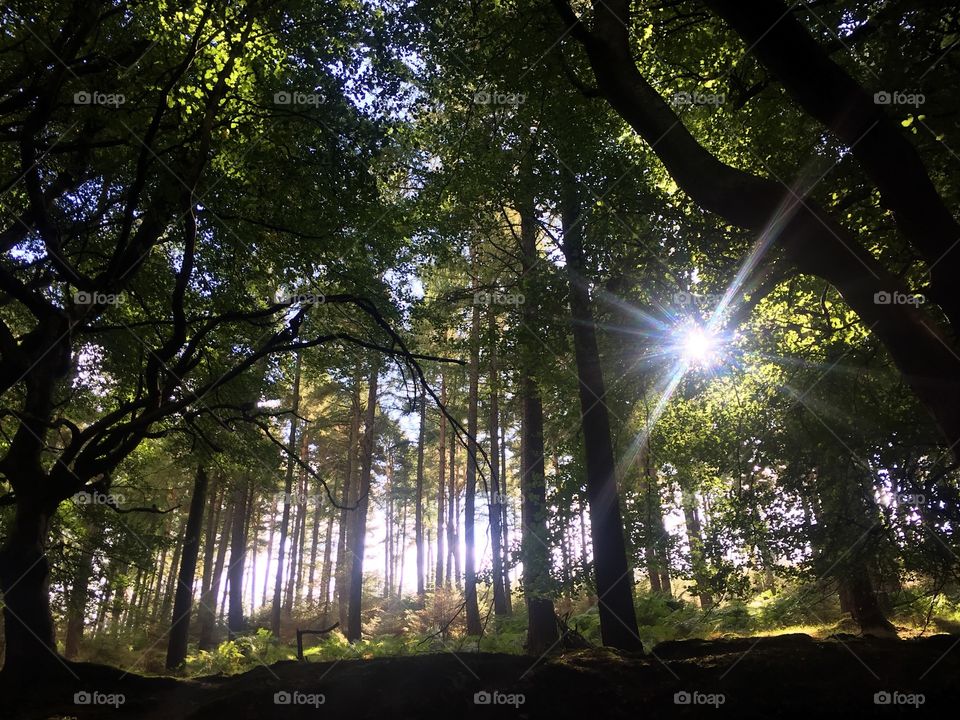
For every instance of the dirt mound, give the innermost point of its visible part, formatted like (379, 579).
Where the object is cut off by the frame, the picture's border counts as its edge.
(780, 676)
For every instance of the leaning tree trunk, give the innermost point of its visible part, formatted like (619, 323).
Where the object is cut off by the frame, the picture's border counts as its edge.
(614, 577)
(183, 600)
(354, 614)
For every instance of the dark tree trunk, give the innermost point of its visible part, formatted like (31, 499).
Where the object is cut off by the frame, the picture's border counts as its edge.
(698, 560)
(183, 602)
(504, 507)
(314, 543)
(158, 588)
(496, 500)
(441, 481)
(209, 543)
(474, 625)
(24, 580)
(453, 563)
(266, 570)
(79, 594)
(208, 602)
(238, 557)
(354, 616)
(171, 586)
(288, 488)
(348, 504)
(542, 630)
(614, 577)
(457, 571)
(418, 507)
(326, 573)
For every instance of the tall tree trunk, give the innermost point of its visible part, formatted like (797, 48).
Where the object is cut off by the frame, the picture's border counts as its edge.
(457, 570)
(698, 561)
(266, 569)
(398, 573)
(171, 588)
(348, 506)
(474, 625)
(159, 587)
(497, 500)
(209, 542)
(657, 546)
(418, 507)
(79, 594)
(614, 577)
(255, 516)
(542, 632)
(453, 564)
(288, 488)
(314, 543)
(388, 540)
(326, 572)
(441, 481)
(180, 626)
(505, 524)
(208, 602)
(354, 617)
(238, 557)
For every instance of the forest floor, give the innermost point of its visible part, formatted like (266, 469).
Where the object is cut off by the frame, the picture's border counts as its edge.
(762, 677)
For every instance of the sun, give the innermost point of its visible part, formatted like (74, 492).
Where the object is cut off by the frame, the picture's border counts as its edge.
(698, 346)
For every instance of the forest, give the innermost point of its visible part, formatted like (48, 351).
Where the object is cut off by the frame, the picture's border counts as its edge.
(491, 358)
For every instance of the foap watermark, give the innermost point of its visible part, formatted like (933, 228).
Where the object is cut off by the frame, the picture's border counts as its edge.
(495, 697)
(498, 498)
(899, 97)
(299, 698)
(85, 697)
(288, 97)
(94, 97)
(496, 97)
(898, 298)
(686, 697)
(689, 299)
(309, 298)
(98, 298)
(683, 97)
(894, 697)
(911, 498)
(496, 298)
(95, 497)
(282, 499)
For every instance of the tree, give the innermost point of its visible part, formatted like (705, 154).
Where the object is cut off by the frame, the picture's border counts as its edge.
(183, 604)
(357, 549)
(614, 576)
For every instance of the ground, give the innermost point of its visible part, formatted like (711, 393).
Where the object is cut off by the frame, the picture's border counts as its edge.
(763, 677)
